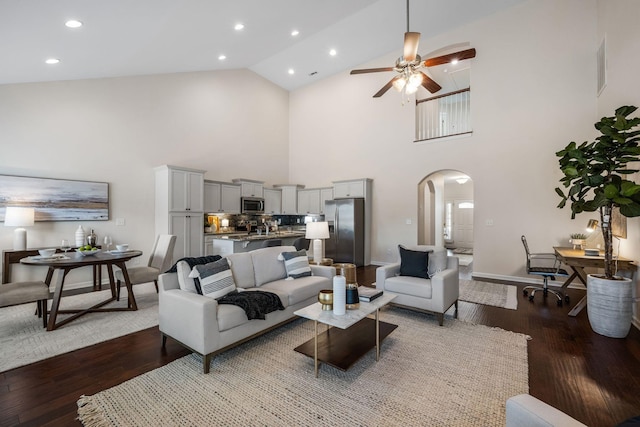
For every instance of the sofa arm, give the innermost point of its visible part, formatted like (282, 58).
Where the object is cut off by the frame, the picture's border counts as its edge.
(384, 272)
(323, 270)
(525, 410)
(190, 319)
(445, 288)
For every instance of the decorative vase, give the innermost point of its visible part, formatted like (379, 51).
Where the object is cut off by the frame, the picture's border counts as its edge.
(92, 239)
(610, 305)
(577, 242)
(80, 235)
(339, 295)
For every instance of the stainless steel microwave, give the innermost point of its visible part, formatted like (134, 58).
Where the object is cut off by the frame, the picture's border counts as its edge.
(252, 205)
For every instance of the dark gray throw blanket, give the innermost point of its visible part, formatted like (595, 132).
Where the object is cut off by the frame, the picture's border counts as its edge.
(255, 303)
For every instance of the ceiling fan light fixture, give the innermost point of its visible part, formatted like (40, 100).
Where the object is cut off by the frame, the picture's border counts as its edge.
(399, 83)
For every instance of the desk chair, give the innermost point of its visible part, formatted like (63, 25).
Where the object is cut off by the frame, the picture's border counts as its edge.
(159, 262)
(24, 292)
(546, 265)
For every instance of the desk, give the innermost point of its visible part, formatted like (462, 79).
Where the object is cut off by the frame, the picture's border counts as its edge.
(578, 261)
(75, 260)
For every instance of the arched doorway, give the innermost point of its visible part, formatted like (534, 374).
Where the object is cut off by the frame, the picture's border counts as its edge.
(445, 200)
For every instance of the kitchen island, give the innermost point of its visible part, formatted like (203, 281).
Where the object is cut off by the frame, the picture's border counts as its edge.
(224, 244)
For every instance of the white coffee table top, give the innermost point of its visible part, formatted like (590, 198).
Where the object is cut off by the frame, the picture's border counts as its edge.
(351, 317)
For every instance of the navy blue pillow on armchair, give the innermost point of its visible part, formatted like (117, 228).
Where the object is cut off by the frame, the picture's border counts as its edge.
(414, 263)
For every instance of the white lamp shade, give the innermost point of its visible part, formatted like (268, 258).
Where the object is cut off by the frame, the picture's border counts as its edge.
(18, 217)
(317, 230)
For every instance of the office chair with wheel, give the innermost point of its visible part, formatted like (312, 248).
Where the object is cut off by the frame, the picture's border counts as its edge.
(546, 265)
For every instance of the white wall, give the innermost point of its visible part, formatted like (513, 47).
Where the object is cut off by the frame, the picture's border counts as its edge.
(231, 123)
(618, 20)
(533, 84)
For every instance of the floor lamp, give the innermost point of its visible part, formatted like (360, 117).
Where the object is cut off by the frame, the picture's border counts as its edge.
(317, 231)
(19, 217)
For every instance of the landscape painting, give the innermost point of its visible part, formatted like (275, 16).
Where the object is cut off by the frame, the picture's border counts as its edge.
(56, 199)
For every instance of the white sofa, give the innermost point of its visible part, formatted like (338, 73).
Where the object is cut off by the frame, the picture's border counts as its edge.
(208, 328)
(435, 295)
(525, 410)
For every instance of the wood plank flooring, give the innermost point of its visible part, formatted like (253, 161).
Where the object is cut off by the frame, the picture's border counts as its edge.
(593, 378)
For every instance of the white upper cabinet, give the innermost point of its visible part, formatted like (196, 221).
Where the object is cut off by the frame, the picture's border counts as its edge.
(272, 201)
(230, 198)
(325, 194)
(355, 188)
(289, 198)
(212, 196)
(250, 188)
(185, 190)
(309, 201)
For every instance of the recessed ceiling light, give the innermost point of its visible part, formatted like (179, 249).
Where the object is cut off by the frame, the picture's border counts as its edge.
(295, 33)
(333, 52)
(222, 57)
(72, 23)
(52, 61)
(238, 27)
(291, 71)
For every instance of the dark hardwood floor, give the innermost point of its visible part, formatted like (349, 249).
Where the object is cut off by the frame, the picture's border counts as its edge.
(593, 378)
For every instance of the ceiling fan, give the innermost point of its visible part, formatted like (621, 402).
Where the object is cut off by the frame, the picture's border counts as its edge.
(409, 77)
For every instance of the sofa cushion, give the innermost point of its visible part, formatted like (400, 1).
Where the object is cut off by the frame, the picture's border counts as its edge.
(213, 280)
(230, 316)
(296, 263)
(283, 295)
(408, 285)
(414, 263)
(300, 289)
(242, 268)
(266, 265)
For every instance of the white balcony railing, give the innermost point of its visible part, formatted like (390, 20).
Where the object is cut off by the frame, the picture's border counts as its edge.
(443, 115)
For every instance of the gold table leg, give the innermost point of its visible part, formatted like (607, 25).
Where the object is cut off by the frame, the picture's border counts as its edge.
(377, 336)
(315, 349)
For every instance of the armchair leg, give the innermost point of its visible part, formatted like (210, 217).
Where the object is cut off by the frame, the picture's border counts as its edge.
(164, 341)
(440, 318)
(206, 359)
(455, 314)
(155, 282)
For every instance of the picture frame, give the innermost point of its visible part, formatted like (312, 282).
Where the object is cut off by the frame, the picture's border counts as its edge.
(56, 199)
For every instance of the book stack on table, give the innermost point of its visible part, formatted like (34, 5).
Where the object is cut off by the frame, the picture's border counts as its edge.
(367, 294)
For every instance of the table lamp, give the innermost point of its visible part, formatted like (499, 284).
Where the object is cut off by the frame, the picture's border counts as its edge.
(19, 217)
(317, 231)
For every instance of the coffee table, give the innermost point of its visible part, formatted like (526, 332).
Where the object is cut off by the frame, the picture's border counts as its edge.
(348, 337)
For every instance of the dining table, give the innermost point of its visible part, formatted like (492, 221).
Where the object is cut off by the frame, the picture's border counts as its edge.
(577, 260)
(66, 262)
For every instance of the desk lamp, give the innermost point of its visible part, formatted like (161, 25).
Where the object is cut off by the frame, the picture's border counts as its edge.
(317, 231)
(19, 217)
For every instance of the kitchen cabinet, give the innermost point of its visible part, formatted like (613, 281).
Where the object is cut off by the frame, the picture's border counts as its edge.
(212, 199)
(309, 201)
(354, 188)
(325, 194)
(250, 188)
(188, 228)
(179, 207)
(272, 201)
(230, 198)
(185, 190)
(289, 198)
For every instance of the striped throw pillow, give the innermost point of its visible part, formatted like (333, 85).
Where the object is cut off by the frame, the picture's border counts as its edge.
(213, 280)
(296, 264)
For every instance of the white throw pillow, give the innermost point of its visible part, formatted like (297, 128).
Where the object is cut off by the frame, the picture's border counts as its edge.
(437, 261)
(183, 269)
(214, 279)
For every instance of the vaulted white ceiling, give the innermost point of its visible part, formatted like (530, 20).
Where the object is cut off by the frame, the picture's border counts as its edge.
(139, 37)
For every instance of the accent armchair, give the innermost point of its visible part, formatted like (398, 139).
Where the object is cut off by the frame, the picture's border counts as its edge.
(435, 292)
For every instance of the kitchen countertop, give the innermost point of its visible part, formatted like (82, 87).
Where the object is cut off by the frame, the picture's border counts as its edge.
(242, 237)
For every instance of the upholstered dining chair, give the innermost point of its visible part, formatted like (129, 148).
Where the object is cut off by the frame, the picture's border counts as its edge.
(159, 262)
(25, 292)
(301, 243)
(272, 242)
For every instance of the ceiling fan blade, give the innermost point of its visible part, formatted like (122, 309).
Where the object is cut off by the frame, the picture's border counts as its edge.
(411, 41)
(429, 84)
(371, 70)
(386, 87)
(445, 59)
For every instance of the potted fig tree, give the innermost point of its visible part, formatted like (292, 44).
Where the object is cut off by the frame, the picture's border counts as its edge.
(597, 177)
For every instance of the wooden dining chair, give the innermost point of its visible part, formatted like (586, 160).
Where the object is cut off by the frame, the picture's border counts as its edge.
(25, 292)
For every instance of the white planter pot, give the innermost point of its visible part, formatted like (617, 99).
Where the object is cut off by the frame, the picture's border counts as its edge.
(610, 306)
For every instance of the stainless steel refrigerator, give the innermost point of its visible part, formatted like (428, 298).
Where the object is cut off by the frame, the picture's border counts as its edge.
(346, 230)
